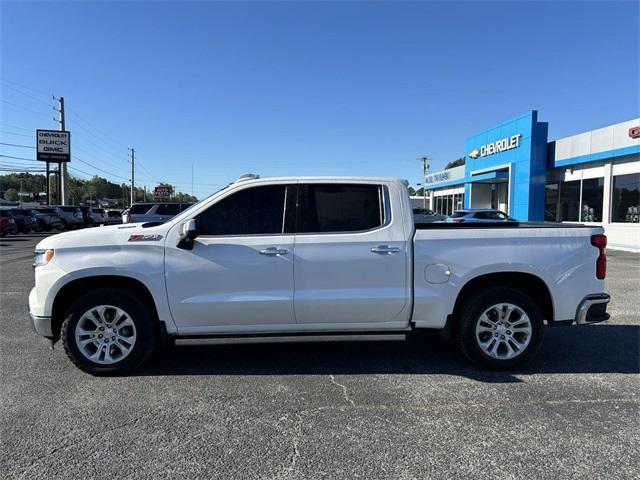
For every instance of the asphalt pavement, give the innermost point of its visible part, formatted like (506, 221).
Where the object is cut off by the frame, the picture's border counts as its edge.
(411, 409)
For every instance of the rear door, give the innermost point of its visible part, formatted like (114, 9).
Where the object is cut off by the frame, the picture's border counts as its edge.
(350, 257)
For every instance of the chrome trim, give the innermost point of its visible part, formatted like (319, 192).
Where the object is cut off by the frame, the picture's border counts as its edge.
(288, 339)
(42, 325)
(587, 303)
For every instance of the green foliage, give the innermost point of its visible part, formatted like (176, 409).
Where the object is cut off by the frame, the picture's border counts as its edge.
(11, 195)
(80, 190)
(456, 163)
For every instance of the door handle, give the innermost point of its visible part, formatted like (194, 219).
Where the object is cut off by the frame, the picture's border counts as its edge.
(385, 249)
(274, 251)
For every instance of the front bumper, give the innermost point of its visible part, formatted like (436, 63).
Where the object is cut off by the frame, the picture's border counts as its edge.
(41, 324)
(593, 309)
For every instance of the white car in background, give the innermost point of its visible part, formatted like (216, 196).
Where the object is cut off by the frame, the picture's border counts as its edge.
(313, 259)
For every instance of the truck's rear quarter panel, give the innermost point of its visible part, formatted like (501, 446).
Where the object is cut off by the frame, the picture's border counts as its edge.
(562, 257)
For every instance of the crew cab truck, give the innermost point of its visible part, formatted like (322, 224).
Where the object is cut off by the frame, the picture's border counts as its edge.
(312, 259)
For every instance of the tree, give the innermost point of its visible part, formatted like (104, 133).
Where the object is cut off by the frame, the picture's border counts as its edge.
(11, 195)
(456, 163)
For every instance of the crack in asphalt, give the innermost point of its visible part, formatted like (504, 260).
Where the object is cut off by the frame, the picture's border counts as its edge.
(345, 394)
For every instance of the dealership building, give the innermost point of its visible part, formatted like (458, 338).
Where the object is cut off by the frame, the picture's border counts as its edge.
(592, 177)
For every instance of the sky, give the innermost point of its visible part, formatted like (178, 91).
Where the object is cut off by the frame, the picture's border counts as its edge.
(304, 88)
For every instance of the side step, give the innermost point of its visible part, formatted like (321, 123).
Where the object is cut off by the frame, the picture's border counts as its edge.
(289, 338)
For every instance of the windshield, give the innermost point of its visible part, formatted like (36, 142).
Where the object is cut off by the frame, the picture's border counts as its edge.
(459, 214)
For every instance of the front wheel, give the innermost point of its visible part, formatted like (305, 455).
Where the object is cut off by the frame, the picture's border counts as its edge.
(108, 332)
(500, 328)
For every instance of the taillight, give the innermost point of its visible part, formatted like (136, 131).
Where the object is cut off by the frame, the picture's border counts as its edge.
(600, 242)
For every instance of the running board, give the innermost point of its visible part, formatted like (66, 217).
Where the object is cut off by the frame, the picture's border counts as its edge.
(294, 338)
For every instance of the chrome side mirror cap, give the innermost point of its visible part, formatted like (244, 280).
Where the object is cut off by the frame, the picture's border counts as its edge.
(187, 233)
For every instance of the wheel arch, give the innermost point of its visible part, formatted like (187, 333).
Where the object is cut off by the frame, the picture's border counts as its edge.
(528, 283)
(80, 286)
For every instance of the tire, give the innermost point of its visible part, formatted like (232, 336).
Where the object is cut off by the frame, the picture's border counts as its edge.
(136, 329)
(500, 328)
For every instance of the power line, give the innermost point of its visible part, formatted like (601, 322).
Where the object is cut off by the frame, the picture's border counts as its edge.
(16, 134)
(19, 158)
(16, 145)
(25, 87)
(24, 108)
(17, 128)
(108, 137)
(98, 168)
(28, 95)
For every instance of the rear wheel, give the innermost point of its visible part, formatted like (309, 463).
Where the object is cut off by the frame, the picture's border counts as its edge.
(108, 332)
(500, 328)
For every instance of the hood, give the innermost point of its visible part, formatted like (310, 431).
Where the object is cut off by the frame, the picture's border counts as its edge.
(111, 235)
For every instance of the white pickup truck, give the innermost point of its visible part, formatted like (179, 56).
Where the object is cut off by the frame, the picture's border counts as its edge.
(312, 259)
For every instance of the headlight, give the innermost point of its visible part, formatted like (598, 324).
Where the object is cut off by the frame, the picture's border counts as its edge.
(42, 257)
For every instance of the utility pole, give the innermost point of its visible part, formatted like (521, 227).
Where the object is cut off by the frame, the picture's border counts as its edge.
(425, 169)
(133, 184)
(62, 166)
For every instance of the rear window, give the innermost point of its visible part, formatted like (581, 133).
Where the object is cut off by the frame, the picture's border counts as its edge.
(458, 214)
(47, 210)
(168, 209)
(324, 208)
(68, 209)
(139, 209)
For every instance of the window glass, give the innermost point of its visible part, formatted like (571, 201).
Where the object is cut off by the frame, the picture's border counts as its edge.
(592, 196)
(252, 211)
(339, 208)
(625, 199)
(482, 215)
(459, 214)
(168, 209)
(569, 201)
(139, 208)
(551, 202)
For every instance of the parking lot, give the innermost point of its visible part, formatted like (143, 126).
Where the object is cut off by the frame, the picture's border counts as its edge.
(351, 410)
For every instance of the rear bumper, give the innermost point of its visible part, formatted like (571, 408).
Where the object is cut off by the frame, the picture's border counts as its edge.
(593, 309)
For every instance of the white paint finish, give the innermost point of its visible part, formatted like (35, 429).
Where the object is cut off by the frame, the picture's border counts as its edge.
(604, 139)
(339, 279)
(226, 281)
(224, 285)
(562, 257)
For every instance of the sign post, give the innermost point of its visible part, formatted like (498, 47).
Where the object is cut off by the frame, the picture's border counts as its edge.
(53, 146)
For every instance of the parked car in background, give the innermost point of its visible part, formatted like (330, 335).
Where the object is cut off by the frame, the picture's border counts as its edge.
(153, 212)
(99, 215)
(424, 215)
(49, 218)
(7, 224)
(478, 215)
(25, 220)
(88, 218)
(71, 216)
(114, 217)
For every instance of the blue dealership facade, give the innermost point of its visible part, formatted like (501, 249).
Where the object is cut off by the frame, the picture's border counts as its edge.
(592, 177)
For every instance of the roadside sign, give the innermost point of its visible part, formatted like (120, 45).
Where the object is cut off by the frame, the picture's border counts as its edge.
(53, 145)
(163, 191)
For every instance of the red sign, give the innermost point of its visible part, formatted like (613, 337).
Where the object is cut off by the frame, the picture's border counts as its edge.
(634, 132)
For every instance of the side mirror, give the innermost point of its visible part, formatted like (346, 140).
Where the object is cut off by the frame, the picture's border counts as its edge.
(188, 232)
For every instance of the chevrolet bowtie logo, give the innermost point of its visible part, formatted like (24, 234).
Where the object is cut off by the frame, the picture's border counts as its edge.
(474, 153)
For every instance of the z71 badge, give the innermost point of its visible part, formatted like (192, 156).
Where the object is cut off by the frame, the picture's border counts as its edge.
(139, 237)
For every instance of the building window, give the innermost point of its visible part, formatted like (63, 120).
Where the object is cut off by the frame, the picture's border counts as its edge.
(569, 201)
(625, 199)
(551, 202)
(592, 195)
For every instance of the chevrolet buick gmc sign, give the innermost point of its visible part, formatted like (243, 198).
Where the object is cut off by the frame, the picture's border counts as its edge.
(53, 145)
(498, 146)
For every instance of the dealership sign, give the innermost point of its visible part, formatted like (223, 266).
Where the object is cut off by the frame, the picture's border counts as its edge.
(163, 191)
(53, 145)
(502, 145)
(437, 177)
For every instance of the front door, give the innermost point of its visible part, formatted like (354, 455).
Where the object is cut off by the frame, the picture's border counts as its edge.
(240, 270)
(350, 257)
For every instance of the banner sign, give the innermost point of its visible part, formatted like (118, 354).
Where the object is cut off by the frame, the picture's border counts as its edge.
(53, 145)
